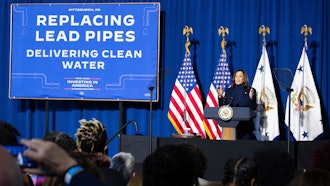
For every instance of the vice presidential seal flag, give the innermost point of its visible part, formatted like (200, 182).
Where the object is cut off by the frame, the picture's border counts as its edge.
(266, 121)
(221, 78)
(186, 107)
(305, 119)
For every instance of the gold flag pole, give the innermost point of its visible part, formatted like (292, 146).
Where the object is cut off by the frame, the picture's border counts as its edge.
(228, 133)
(223, 31)
(305, 30)
(264, 30)
(187, 31)
(262, 103)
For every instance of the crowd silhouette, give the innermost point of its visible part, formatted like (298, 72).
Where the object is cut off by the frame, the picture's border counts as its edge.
(63, 161)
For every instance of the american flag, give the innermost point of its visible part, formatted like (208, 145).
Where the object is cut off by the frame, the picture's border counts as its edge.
(186, 107)
(221, 78)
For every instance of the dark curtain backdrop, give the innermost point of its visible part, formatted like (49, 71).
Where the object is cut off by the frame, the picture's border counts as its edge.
(242, 17)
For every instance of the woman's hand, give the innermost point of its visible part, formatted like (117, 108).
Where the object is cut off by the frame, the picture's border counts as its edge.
(220, 92)
(51, 158)
(251, 93)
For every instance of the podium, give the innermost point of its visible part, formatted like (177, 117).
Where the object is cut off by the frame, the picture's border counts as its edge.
(229, 127)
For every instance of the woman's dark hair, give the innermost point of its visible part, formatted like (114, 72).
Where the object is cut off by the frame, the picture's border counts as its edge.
(64, 140)
(275, 167)
(8, 133)
(170, 165)
(239, 171)
(245, 78)
(201, 160)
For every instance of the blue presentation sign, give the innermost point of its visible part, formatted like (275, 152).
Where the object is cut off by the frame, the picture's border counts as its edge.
(85, 51)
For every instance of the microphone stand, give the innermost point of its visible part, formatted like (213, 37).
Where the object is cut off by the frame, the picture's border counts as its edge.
(289, 90)
(150, 121)
(47, 116)
(122, 128)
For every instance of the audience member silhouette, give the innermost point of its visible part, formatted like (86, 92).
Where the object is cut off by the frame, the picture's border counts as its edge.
(213, 183)
(275, 167)
(67, 143)
(201, 164)
(124, 163)
(170, 165)
(9, 134)
(239, 171)
(201, 160)
(62, 139)
(91, 138)
(84, 161)
(311, 178)
(321, 157)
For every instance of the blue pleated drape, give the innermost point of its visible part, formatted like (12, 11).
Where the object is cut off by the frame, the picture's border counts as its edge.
(242, 17)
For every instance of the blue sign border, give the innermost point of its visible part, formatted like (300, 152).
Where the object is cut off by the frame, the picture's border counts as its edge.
(85, 51)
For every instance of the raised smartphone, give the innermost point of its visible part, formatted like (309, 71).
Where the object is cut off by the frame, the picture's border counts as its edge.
(17, 151)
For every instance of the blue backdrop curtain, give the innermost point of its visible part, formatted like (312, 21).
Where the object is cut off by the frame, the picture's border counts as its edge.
(242, 17)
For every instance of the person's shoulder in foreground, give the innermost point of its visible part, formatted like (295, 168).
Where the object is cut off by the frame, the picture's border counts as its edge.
(10, 173)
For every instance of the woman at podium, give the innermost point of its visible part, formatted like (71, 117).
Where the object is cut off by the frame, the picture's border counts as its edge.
(240, 94)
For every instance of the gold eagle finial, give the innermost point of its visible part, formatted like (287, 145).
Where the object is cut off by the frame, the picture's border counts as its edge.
(264, 30)
(187, 31)
(305, 30)
(223, 31)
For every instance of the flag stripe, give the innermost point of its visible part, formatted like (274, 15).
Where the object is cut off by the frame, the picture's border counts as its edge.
(211, 126)
(212, 97)
(176, 108)
(195, 111)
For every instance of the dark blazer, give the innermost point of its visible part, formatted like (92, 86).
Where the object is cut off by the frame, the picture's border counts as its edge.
(84, 178)
(109, 176)
(238, 96)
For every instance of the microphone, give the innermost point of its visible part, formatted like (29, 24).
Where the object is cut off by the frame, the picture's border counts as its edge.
(289, 89)
(231, 100)
(135, 124)
(224, 100)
